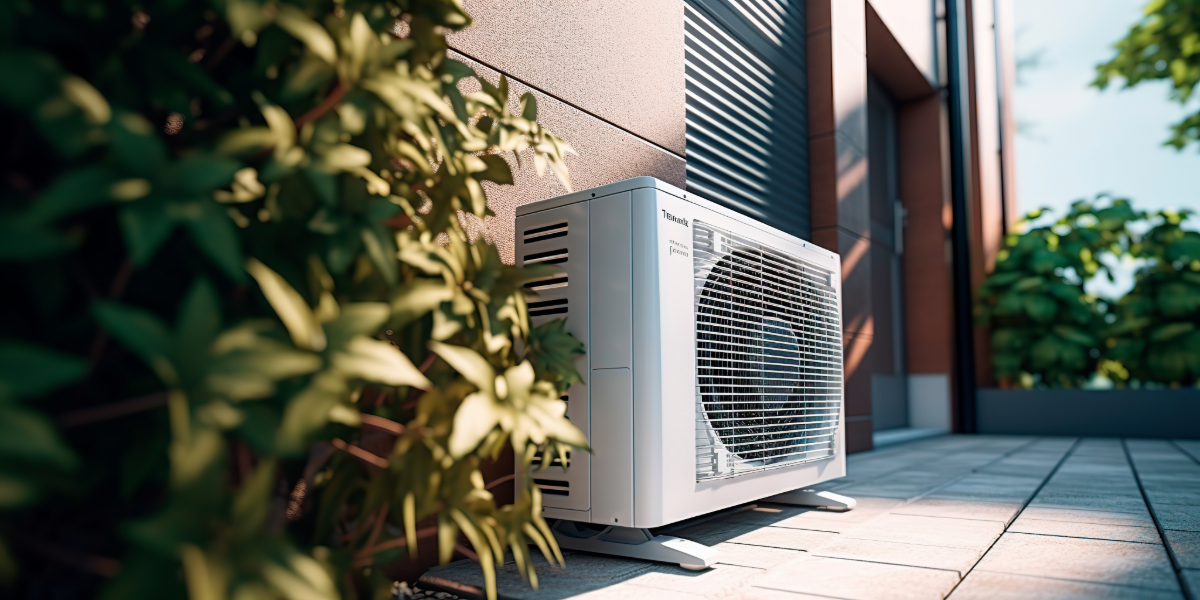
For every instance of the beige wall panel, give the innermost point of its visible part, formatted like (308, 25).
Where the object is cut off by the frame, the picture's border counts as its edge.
(606, 154)
(621, 60)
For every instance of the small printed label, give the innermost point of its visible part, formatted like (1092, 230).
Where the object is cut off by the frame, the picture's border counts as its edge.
(678, 249)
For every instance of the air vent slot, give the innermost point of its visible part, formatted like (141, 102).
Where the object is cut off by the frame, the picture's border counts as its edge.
(549, 283)
(549, 232)
(548, 307)
(550, 257)
(551, 487)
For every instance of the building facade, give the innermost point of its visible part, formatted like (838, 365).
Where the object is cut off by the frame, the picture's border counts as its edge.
(878, 129)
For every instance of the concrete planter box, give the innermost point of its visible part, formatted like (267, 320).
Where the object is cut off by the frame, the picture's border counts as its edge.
(1102, 413)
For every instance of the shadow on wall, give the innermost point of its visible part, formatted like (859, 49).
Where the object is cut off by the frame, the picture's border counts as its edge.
(605, 154)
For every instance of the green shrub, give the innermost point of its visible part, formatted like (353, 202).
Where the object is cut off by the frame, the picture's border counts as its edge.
(227, 227)
(1155, 329)
(1047, 331)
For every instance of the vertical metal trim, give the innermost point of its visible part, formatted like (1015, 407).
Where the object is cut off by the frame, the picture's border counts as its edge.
(960, 188)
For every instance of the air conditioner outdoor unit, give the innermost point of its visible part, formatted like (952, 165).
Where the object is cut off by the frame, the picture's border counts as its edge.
(713, 373)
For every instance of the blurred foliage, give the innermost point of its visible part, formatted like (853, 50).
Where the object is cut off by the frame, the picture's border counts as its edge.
(1048, 332)
(1163, 45)
(229, 229)
(1155, 334)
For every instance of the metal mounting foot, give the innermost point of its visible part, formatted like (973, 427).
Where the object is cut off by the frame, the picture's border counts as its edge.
(633, 543)
(827, 500)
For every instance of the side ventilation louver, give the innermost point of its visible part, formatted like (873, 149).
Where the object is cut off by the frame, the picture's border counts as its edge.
(549, 232)
(550, 257)
(549, 283)
(551, 487)
(548, 307)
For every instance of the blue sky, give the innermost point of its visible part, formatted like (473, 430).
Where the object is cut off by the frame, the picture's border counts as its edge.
(1078, 141)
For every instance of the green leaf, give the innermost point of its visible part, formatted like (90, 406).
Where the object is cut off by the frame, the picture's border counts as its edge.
(1074, 335)
(553, 350)
(144, 334)
(72, 192)
(137, 145)
(378, 362)
(293, 20)
(1040, 307)
(28, 370)
(473, 367)
(497, 171)
(291, 308)
(29, 438)
(475, 418)
(201, 174)
(417, 299)
(1170, 331)
(217, 237)
(23, 242)
(145, 226)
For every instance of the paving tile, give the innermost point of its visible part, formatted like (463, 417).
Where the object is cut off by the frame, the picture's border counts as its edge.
(902, 485)
(1093, 501)
(1191, 578)
(990, 488)
(1178, 516)
(1075, 515)
(759, 557)
(895, 553)
(961, 509)
(583, 573)
(621, 591)
(852, 579)
(1169, 495)
(1191, 447)
(719, 581)
(1185, 545)
(983, 585)
(1100, 561)
(1119, 533)
(787, 538)
(930, 531)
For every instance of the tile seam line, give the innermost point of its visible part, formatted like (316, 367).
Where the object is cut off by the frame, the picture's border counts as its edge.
(880, 562)
(1184, 452)
(973, 471)
(574, 106)
(1104, 583)
(1049, 476)
(775, 589)
(1077, 537)
(1183, 584)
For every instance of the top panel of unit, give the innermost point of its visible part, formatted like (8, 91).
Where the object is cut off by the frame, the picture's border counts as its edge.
(635, 183)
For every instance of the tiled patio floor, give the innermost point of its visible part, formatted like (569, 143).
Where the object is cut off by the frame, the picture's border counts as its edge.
(959, 516)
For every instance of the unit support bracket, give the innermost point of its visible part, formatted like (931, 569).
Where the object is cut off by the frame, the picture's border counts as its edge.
(827, 500)
(634, 543)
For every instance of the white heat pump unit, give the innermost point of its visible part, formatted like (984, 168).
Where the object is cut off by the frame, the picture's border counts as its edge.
(713, 373)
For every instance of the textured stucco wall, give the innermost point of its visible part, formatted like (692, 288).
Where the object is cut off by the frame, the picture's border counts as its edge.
(605, 154)
(620, 60)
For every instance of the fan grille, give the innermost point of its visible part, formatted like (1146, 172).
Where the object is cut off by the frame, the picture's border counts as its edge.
(768, 357)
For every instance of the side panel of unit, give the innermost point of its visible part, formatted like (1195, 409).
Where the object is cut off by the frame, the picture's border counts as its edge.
(611, 357)
(648, 347)
(559, 237)
(665, 403)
